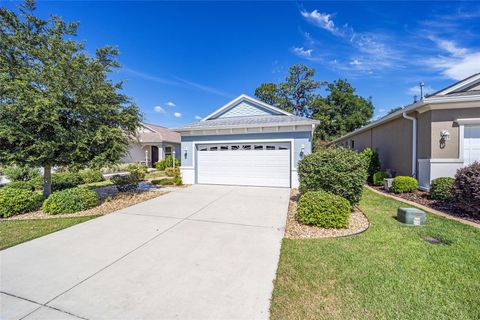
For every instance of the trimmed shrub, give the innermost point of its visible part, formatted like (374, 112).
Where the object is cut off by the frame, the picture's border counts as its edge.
(167, 163)
(91, 176)
(24, 185)
(404, 184)
(137, 170)
(65, 180)
(323, 209)
(125, 183)
(373, 163)
(18, 173)
(378, 178)
(177, 179)
(466, 189)
(16, 201)
(441, 188)
(71, 200)
(170, 172)
(337, 170)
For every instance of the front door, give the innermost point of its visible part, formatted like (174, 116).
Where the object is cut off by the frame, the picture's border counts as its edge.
(154, 155)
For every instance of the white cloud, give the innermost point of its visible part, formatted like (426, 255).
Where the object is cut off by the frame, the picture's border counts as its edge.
(415, 90)
(323, 20)
(355, 62)
(302, 52)
(177, 114)
(159, 109)
(457, 68)
(198, 118)
(170, 104)
(449, 46)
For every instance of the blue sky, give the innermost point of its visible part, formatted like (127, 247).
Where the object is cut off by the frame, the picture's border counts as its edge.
(182, 60)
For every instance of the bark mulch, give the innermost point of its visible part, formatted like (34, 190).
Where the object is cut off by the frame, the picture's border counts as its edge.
(421, 197)
(109, 205)
(357, 223)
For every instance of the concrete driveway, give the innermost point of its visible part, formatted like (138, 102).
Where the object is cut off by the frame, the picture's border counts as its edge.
(204, 252)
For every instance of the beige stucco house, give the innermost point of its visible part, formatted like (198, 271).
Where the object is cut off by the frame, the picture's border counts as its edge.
(152, 144)
(429, 139)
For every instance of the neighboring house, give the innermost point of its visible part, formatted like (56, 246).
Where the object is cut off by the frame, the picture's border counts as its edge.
(429, 139)
(245, 142)
(153, 143)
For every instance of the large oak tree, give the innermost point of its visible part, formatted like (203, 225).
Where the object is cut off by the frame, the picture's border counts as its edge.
(57, 104)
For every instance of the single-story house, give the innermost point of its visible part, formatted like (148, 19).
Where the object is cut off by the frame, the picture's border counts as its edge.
(245, 142)
(152, 144)
(428, 139)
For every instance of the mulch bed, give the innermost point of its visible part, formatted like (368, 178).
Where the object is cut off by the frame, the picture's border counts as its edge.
(294, 230)
(109, 205)
(421, 197)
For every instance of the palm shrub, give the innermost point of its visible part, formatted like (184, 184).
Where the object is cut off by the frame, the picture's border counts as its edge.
(137, 170)
(16, 201)
(21, 173)
(71, 200)
(378, 178)
(466, 189)
(404, 184)
(323, 209)
(337, 170)
(373, 163)
(441, 188)
(91, 175)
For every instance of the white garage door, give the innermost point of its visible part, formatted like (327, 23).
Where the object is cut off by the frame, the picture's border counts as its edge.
(248, 164)
(471, 144)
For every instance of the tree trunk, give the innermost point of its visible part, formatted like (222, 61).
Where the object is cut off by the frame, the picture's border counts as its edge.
(47, 181)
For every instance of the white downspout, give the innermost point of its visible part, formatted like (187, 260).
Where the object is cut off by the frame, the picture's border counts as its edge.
(414, 143)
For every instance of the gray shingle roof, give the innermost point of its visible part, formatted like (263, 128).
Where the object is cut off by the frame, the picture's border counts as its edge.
(245, 122)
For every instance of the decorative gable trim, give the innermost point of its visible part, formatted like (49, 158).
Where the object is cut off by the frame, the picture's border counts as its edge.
(246, 98)
(460, 86)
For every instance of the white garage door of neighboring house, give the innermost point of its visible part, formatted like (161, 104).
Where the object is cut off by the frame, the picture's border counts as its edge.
(471, 144)
(249, 164)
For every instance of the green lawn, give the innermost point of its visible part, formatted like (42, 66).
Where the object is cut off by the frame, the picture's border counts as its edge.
(14, 232)
(388, 272)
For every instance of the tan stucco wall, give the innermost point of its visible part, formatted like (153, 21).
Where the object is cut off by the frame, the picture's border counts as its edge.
(444, 120)
(424, 129)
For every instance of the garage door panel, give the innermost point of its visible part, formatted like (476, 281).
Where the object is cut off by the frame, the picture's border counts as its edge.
(471, 144)
(244, 167)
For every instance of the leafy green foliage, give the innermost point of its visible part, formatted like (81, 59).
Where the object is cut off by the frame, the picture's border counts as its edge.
(137, 170)
(337, 170)
(91, 176)
(373, 162)
(167, 163)
(24, 185)
(65, 180)
(404, 184)
(296, 95)
(125, 183)
(21, 173)
(58, 103)
(342, 111)
(323, 209)
(441, 188)
(378, 178)
(170, 172)
(164, 182)
(71, 200)
(466, 190)
(15, 201)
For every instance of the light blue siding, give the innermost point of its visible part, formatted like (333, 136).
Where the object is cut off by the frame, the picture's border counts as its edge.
(299, 138)
(245, 109)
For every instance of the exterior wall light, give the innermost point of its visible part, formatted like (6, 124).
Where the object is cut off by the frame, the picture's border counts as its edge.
(302, 151)
(444, 137)
(185, 152)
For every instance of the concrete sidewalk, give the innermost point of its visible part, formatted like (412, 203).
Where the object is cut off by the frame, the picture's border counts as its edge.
(204, 252)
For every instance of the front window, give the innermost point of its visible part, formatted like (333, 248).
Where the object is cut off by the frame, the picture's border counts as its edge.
(168, 151)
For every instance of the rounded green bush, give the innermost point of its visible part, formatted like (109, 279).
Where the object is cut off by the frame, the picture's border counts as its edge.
(65, 180)
(137, 170)
(373, 162)
(404, 184)
(125, 183)
(91, 176)
(441, 188)
(70, 200)
(337, 170)
(323, 209)
(466, 190)
(21, 173)
(15, 201)
(378, 178)
(24, 185)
